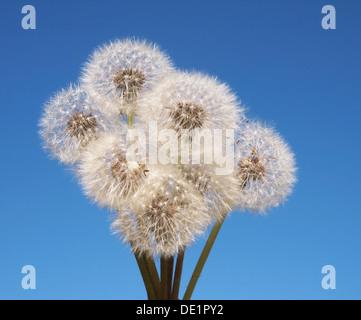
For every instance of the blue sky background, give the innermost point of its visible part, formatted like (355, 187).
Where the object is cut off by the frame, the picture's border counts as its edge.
(287, 70)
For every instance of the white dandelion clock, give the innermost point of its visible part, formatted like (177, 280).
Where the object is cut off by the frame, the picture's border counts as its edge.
(109, 172)
(190, 101)
(265, 168)
(169, 217)
(120, 72)
(70, 121)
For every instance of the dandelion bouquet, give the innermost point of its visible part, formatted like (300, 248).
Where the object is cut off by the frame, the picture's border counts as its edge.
(171, 153)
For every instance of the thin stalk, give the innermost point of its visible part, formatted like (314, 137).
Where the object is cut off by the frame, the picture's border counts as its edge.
(170, 276)
(164, 278)
(131, 119)
(178, 275)
(203, 258)
(166, 266)
(146, 276)
(153, 272)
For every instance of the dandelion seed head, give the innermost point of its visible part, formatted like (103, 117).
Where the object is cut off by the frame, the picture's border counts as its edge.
(107, 175)
(265, 168)
(69, 123)
(119, 73)
(191, 101)
(170, 215)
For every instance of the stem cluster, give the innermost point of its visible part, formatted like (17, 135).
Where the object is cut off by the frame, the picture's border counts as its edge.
(167, 286)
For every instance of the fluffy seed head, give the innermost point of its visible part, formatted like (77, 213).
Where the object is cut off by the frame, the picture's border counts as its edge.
(120, 72)
(108, 173)
(188, 101)
(265, 168)
(169, 216)
(69, 123)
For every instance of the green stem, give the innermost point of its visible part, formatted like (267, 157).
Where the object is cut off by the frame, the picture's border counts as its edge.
(170, 276)
(203, 258)
(164, 278)
(178, 275)
(131, 119)
(141, 260)
(166, 266)
(153, 272)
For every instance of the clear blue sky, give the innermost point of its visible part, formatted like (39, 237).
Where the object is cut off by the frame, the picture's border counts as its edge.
(287, 70)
